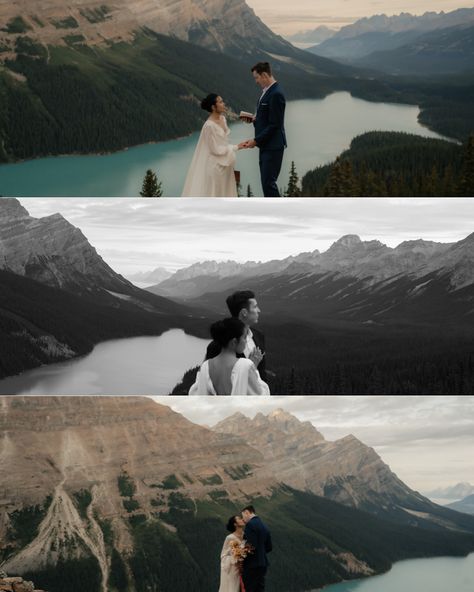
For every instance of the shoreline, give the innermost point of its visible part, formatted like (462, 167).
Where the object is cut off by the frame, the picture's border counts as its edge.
(231, 122)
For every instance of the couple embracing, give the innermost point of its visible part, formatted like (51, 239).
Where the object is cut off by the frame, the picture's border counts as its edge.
(244, 560)
(235, 358)
(211, 173)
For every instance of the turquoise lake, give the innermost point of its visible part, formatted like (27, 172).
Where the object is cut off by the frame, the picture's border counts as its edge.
(317, 130)
(440, 574)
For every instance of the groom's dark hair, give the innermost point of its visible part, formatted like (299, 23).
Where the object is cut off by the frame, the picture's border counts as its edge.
(239, 300)
(262, 67)
(250, 509)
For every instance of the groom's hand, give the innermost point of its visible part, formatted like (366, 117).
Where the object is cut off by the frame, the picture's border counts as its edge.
(250, 144)
(248, 119)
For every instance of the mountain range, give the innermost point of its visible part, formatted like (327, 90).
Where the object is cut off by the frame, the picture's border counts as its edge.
(384, 33)
(465, 505)
(59, 298)
(118, 493)
(453, 492)
(359, 279)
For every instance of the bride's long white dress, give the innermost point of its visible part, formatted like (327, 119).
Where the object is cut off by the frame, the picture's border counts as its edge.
(230, 579)
(245, 380)
(211, 173)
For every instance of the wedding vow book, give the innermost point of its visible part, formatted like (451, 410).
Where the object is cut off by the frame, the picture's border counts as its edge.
(246, 114)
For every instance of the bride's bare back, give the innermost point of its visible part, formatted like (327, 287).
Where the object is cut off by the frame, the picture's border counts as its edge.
(220, 373)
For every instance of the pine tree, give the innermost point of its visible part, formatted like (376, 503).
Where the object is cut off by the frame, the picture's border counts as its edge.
(466, 182)
(293, 189)
(249, 191)
(151, 187)
(342, 181)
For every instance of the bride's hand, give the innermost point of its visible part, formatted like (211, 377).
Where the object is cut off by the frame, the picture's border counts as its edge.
(256, 356)
(242, 146)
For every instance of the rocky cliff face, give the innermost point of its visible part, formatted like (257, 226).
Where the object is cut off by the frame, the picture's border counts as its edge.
(346, 470)
(216, 24)
(51, 250)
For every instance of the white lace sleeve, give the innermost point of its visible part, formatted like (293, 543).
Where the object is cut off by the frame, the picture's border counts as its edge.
(201, 385)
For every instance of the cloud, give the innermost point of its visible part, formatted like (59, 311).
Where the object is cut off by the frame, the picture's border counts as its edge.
(177, 232)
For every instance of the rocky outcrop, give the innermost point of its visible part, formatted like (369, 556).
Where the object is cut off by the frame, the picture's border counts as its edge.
(52, 251)
(16, 584)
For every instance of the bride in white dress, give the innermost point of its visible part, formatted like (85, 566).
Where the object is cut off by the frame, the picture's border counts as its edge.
(211, 173)
(230, 577)
(227, 374)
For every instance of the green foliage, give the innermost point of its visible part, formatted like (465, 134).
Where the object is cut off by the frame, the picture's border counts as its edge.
(126, 485)
(73, 575)
(96, 15)
(161, 561)
(17, 25)
(171, 482)
(389, 164)
(180, 502)
(293, 189)
(130, 504)
(24, 523)
(105, 525)
(118, 577)
(67, 23)
(240, 472)
(136, 520)
(25, 45)
(151, 187)
(212, 480)
(73, 40)
(82, 500)
(218, 494)
(466, 179)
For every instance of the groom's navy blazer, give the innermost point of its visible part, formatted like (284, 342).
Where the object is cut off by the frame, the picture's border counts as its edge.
(257, 535)
(214, 349)
(269, 120)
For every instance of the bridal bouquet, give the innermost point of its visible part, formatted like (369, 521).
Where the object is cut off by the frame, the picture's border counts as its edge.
(240, 550)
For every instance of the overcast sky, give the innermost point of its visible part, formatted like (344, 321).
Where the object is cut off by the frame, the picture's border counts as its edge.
(134, 234)
(289, 17)
(427, 441)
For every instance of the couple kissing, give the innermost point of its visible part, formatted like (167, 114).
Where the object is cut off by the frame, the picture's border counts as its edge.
(244, 560)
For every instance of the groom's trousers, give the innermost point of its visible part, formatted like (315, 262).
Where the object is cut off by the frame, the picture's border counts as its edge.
(254, 579)
(270, 167)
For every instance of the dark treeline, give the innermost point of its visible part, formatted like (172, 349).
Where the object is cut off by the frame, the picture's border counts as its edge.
(102, 99)
(396, 164)
(389, 360)
(305, 529)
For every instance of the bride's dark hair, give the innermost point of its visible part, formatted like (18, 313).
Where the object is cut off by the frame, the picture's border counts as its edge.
(209, 102)
(224, 331)
(231, 524)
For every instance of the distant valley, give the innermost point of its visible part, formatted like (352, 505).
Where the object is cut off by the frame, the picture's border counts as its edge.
(118, 494)
(360, 317)
(87, 77)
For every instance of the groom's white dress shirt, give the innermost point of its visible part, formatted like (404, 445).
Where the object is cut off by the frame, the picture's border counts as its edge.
(249, 344)
(265, 90)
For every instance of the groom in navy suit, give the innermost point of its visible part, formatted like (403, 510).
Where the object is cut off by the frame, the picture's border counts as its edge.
(269, 123)
(255, 564)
